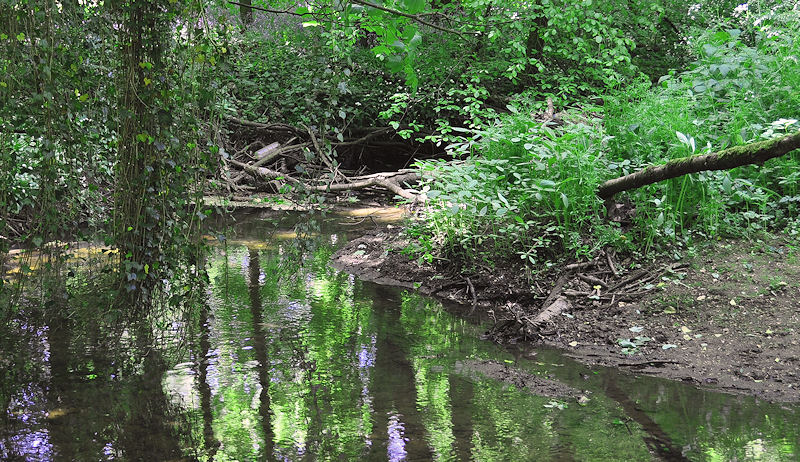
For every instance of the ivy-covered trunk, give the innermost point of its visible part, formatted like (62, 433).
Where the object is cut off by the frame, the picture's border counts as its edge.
(140, 201)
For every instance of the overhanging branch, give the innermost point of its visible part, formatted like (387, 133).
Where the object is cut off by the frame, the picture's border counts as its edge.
(415, 17)
(737, 156)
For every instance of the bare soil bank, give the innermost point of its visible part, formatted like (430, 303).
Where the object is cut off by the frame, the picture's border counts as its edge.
(727, 318)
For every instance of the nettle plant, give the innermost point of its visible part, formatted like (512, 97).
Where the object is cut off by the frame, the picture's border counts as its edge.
(525, 191)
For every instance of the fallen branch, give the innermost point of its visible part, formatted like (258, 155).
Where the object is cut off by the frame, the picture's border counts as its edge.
(554, 309)
(754, 153)
(574, 266)
(593, 280)
(262, 172)
(271, 156)
(390, 181)
(611, 265)
(279, 128)
(392, 185)
(556, 291)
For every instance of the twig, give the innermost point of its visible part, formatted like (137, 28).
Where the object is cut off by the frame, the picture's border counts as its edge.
(414, 17)
(634, 276)
(593, 280)
(474, 295)
(611, 264)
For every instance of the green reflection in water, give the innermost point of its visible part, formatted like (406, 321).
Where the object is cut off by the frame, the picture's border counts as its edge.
(286, 358)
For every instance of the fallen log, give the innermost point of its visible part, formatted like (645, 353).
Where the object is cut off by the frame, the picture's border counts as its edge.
(554, 309)
(737, 156)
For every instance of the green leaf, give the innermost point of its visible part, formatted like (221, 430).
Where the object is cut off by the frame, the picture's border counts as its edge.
(414, 6)
(726, 184)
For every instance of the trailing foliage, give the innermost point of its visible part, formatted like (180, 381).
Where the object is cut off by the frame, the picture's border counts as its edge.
(161, 144)
(104, 116)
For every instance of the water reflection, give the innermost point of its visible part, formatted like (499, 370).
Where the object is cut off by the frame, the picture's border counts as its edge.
(284, 358)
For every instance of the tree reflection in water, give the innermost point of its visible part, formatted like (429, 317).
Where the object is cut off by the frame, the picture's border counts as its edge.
(288, 359)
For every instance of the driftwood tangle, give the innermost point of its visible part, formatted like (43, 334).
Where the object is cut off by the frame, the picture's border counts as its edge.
(274, 158)
(754, 153)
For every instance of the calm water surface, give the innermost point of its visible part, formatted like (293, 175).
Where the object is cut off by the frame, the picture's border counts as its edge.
(285, 358)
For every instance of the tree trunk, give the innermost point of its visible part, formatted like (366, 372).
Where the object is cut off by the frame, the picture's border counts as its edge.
(534, 45)
(245, 12)
(754, 153)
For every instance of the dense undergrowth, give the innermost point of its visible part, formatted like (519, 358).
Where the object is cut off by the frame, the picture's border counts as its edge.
(523, 189)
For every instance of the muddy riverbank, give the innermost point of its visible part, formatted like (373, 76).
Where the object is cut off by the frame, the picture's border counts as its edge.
(727, 318)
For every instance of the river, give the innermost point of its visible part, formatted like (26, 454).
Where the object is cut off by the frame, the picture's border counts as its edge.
(284, 358)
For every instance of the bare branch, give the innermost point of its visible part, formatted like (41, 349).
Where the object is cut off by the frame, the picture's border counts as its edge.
(414, 17)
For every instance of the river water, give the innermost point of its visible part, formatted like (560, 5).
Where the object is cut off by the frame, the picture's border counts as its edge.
(285, 358)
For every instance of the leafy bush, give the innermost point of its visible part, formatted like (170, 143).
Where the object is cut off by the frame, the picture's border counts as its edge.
(525, 190)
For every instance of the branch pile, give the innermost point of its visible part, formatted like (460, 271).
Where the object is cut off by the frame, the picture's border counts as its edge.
(597, 282)
(276, 157)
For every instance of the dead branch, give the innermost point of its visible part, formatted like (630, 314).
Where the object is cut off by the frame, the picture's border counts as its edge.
(593, 280)
(611, 264)
(556, 291)
(262, 172)
(392, 185)
(574, 266)
(275, 128)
